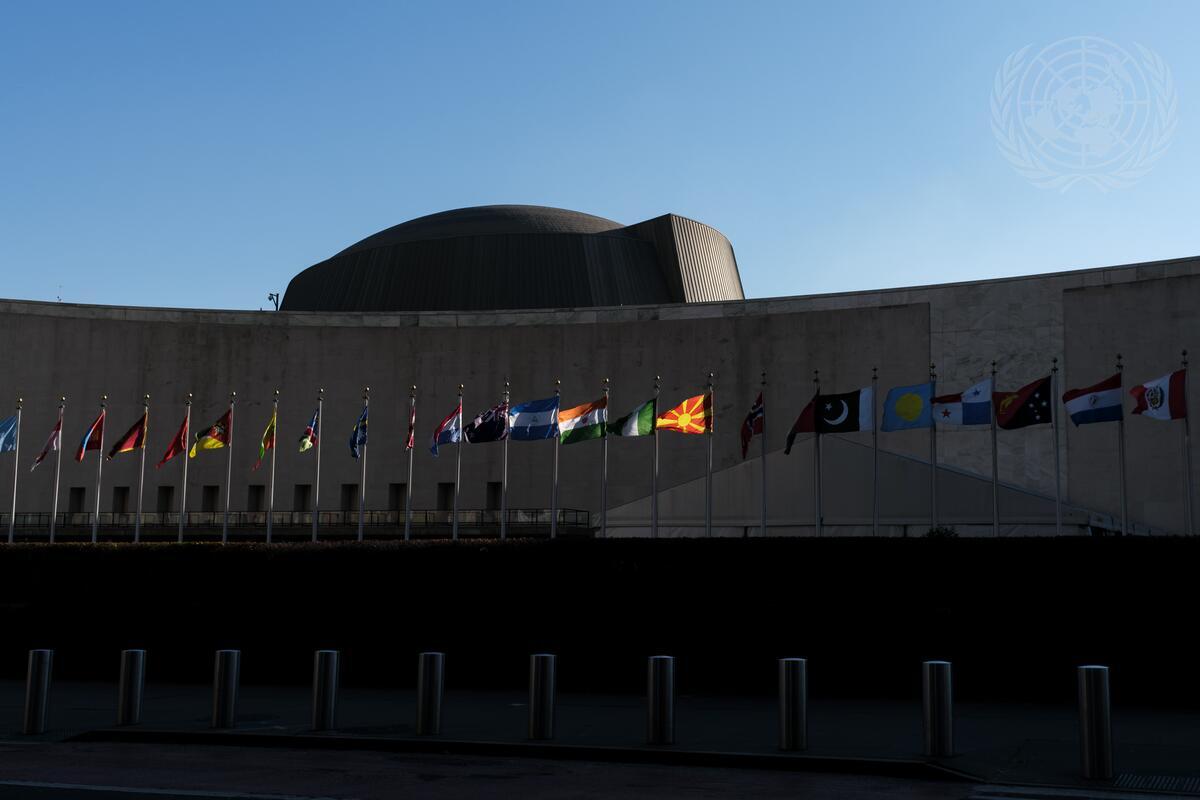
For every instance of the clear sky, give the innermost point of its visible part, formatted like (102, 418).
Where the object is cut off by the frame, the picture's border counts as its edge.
(200, 154)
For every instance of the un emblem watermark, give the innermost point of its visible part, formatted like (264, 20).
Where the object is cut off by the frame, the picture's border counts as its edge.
(1084, 109)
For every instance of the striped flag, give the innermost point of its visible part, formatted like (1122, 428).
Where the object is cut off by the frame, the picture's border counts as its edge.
(92, 437)
(639, 422)
(584, 422)
(51, 444)
(134, 438)
(537, 419)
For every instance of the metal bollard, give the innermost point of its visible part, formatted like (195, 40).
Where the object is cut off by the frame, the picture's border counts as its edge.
(541, 696)
(37, 691)
(660, 700)
(129, 689)
(793, 704)
(225, 688)
(430, 672)
(1095, 723)
(325, 689)
(938, 702)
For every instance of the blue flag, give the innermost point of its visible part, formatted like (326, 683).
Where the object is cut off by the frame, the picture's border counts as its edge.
(908, 407)
(537, 419)
(8, 434)
(358, 436)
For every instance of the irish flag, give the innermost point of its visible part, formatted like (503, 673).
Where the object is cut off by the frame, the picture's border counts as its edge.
(583, 422)
(639, 422)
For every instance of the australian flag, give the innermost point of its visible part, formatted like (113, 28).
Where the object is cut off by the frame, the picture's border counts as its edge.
(358, 436)
(488, 426)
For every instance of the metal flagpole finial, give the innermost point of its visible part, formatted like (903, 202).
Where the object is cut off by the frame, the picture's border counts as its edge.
(320, 393)
(1185, 358)
(1120, 366)
(412, 390)
(276, 394)
(764, 377)
(189, 399)
(874, 373)
(816, 376)
(103, 400)
(19, 401)
(1054, 364)
(232, 396)
(366, 391)
(146, 399)
(993, 366)
(460, 390)
(557, 386)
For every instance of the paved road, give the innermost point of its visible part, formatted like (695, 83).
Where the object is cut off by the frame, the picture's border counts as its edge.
(133, 772)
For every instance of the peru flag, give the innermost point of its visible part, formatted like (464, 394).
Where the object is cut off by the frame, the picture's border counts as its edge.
(1162, 398)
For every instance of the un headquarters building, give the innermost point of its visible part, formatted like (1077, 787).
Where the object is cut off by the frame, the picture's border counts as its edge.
(532, 296)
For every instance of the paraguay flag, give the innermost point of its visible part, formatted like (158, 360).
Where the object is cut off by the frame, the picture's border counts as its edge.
(92, 438)
(450, 431)
(1098, 403)
(537, 419)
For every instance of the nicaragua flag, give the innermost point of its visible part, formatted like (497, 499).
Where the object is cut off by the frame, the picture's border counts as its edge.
(450, 431)
(537, 419)
(972, 407)
(1098, 403)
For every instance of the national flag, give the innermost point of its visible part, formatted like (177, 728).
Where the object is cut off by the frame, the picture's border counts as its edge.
(8, 434)
(215, 436)
(92, 437)
(358, 436)
(805, 423)
(753, 424)
(178, 444)
(134, 438)
(268, 439)
(972, 407)
(51, 444)
(488, 426)
(411, 441)
(1029, 405)
(1162, 398)
(308, 439)
(537, 419)
(639, 422)
(908, 407)
(587, 421)
(1098, 403)
(846, 412)
(450, 431)
(693, 415)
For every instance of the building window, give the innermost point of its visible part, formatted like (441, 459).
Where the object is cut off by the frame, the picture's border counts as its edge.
(495, 492)
(209, 495)
(397, 493)
(302, 497)
(349, 497)
(445, 497)
(256, 495)
(75, 499)
(120, 503)
(165, 503)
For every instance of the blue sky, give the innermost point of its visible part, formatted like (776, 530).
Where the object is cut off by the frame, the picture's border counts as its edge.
(199, 155)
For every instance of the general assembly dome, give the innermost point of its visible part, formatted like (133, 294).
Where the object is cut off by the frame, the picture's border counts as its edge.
(521, 257)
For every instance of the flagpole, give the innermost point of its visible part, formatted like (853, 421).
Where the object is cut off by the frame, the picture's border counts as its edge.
(187, 433)
(763, 452)
(557, 441)
(604, 468)
(12, 518)
(1121, 455)
(412, 419)
(654, 471)
(1054, 429)
(457, 466)
(995, 459)
(137, 523)
(271, 481)
(708, 477)
(874, 451)
(933, 509)
(316, 503)
(228, 470)
(99, 471)
(62, 404)
(1187, 455)
(816, 455)
(362, 464)
(504, 471)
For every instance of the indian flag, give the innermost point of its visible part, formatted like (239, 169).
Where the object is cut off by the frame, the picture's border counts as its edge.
(639, 422)
(583, 422)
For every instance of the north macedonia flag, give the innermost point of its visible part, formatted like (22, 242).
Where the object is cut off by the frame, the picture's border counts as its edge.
(693, 415)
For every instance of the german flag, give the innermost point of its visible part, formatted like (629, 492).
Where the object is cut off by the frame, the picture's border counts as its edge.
(693, 415)
(134, 438)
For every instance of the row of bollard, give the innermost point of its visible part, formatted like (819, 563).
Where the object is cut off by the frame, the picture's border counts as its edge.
(936, 692)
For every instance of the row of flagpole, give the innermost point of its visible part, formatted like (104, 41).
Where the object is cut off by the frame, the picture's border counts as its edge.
(654, 516)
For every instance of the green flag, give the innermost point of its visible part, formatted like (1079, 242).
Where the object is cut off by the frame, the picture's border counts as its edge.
(639, 422)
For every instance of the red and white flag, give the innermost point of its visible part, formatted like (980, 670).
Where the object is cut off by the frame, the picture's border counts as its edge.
(753, 423)
(1162, 398)
(412, 426)
(51, 444)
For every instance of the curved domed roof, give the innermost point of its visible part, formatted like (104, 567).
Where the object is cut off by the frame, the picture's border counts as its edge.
(487, 221)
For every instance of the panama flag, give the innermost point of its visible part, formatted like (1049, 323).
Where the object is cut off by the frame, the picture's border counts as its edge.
(972, 407)
(91, 438)
(537, 419)
(1162, 398)
(450, 431)
(584, 422)
(1098, 403)
(639, 422)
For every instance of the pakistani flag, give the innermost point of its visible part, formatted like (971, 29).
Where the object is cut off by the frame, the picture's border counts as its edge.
(639, 422)
(583, 422)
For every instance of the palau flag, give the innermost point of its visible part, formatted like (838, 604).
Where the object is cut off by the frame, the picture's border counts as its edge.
(908, 407)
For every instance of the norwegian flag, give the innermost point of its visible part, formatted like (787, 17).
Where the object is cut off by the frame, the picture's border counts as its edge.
(753, 423)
